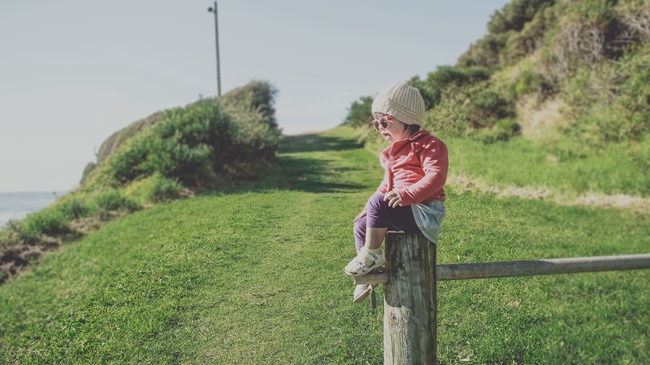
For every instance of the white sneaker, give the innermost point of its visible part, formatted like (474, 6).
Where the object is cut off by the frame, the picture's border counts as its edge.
(362, 291)
(364, 263)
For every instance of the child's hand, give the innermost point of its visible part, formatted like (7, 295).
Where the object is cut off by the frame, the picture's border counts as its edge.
(361, 215)
(393, 199)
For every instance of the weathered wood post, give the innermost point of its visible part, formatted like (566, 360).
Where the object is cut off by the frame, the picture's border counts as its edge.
(410, 305)
(410, 300)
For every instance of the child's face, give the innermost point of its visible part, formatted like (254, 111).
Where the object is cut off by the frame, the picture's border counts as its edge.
(394, 131)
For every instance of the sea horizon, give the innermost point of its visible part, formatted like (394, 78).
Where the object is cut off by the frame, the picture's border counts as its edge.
(17, 205)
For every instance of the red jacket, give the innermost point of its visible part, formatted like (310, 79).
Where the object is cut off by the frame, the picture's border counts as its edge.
(416, 167)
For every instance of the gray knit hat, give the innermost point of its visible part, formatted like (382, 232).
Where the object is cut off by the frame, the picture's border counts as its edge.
(402, 101)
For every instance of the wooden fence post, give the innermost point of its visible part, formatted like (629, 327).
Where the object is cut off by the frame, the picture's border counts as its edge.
(410, 305)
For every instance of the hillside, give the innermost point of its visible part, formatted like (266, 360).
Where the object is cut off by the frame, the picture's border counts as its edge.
(563, 86)
(255, 275)
(211, 144)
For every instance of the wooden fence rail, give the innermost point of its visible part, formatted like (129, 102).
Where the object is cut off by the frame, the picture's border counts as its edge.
(502, 269)
(410, 277)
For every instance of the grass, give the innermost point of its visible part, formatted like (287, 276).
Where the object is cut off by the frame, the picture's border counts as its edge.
(254, 275)
(521, 162)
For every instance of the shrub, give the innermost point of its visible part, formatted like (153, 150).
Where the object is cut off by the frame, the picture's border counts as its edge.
(162, 189)
(49, 221)
(74, 208)
(201, 144)
(181, 144)
(485, 52)
(515, 14)
(446, 76)
(597, 12)
(448, 82)
(531, 82)
(640, 153)
(486, 107)
(257, 97)
(360, 112)
(502, 131)
(153, 189)
(114, 200)
(447, 118)
(532, 37)
(430, 93)
(611, 103)
(255, 135)
(634, 15)
(110, 145)
(124, 164)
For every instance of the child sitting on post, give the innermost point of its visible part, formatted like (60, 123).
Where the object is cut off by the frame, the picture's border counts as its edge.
(410, 197)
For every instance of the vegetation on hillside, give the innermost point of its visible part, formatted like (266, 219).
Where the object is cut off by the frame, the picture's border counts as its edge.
(257, 278)
(570, 76)
(205, 145)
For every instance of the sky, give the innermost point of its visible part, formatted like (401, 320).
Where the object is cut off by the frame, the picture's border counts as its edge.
(73, 72)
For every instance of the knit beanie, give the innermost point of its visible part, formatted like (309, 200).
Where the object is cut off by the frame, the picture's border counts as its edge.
(402, 101)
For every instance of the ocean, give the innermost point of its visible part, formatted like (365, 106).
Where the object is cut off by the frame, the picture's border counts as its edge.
(15, 206)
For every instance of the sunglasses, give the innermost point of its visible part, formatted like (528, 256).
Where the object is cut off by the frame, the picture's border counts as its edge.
(383, 122)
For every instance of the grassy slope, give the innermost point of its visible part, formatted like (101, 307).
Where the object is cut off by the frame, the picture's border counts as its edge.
(256, 277)
(521, 162)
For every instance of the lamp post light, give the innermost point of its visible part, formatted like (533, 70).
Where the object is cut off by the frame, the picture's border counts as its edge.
(216, 32)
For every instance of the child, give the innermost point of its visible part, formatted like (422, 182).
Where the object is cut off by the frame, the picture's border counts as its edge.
(411, 196)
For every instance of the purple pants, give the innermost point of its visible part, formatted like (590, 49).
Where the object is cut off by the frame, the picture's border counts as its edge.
(380, 215)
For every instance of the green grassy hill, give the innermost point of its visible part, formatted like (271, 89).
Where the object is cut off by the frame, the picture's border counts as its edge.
(555, 91)
(254, 275)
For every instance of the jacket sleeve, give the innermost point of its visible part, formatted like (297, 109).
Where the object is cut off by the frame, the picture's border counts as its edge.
(383, 161)
(383, 187)
(435, 163)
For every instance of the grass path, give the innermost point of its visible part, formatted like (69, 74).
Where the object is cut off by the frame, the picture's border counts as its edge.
(254, 276)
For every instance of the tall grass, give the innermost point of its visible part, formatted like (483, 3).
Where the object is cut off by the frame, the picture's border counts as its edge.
(525, 163)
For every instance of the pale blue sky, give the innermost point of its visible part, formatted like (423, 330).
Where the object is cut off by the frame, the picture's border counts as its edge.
(72, 72)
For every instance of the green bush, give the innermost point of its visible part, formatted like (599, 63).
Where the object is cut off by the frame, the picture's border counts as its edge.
(532, 37)
(598, 12)
(360, 112)
(257, 97)
(256, 135)
(448, 82)
(486, 52)
(74, 208)
(611, 103)
(114, 200)
(640, 153)
(447, 118)
(162, 189)
(446, 76)
(153, 189)
(49, 221)
(514, 32)
(430, 94)
(531, 82)
(181, 144)
(515, 14)
(201, 144)
(502, 130)
(486, 107)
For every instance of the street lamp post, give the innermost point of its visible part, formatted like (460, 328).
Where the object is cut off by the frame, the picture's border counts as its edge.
(216, 32)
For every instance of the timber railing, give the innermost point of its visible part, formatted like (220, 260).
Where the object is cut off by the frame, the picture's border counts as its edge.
(410, 304)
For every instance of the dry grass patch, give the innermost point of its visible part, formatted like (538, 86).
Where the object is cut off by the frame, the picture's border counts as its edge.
(542, 121)
(464, 183)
